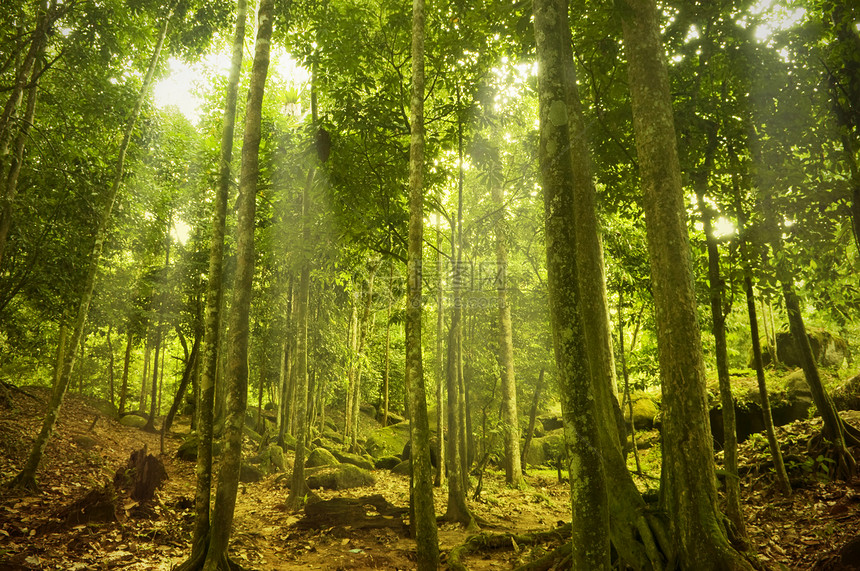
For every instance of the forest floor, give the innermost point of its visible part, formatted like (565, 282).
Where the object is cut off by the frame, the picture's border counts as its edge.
(88, 448)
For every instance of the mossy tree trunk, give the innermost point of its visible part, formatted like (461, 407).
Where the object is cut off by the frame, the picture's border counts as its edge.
(589, 499)
(214, 300)
(758, 363)
(688, 491)
(421, 492)
(236, 374)
(510, 417)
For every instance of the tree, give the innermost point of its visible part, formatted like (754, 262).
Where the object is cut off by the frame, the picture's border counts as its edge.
(236, 375)
(26, 478)
(688, 487)
(214, 297)
(590, 524)
(421, 493)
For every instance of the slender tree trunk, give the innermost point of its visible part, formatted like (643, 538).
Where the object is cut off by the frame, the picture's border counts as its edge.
(364, 333)
(27, 477)
(155, 403)
(727, 401)
(688, 492)
(214, 297)
(110, 367)
(187, 375)
(589, 499)
(147, 351)
(352, 343)
(626, 377)
(129, 345)
(440, 476)
(421, 487)
(387, 372)
(298, 486)
(236, 376)
(532, 418)
(510, 417)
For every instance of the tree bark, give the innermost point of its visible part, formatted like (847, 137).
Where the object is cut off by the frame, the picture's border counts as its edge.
(688, 492)
(214, 297)
(715, 295)
(441, 456)
(27, 477)
(155, 402)
(589, 499)
(532, 418)
(421, 495)
(236, 376)
(510, 417)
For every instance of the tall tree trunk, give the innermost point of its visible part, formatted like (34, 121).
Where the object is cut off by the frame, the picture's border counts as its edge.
(214, 297)
(147, 352)
(532, 418)
(626, 377)
(126, 362)
(422, 478)
(589, 499)
(440, 476)
(727, 401)
(187, 374)
(688, 493)
(387, 372)
(364, 333)
(110, 367)
(352, 343)
(155, 402)
(27, 477)
(298, 486)
(510, 417)
(236, 376)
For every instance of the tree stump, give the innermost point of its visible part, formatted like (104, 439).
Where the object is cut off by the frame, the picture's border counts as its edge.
(142, 475)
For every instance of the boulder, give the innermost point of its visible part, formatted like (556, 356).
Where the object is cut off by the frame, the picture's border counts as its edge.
(546, 450)
(407, 452)
(133, 420)
(829, 350)
(645, 411)
(387, 462)
(401, 468)
(847, 395)
(388, 441)
(321, 457)
(289, 442)
(84, 442)
(272, 459)
(550, 423)
(368, 410)
(341, 477)
(188, 449)
(354, 459)
(249, 473)
(333, 435)
(105, 407)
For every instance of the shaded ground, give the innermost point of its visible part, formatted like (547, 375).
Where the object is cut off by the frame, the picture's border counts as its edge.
(792, 532)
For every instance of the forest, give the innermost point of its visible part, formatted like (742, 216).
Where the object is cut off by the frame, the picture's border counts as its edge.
(359, 284)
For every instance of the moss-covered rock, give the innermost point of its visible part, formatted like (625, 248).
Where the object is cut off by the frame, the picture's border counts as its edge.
(388, 441)
(333, 435)
(645, 410)
(354, 459)
(829, 350)
(387, 462)
(272, 459)
(133, 420)
(188, 449)
(847, 395)
(402, 468)
(321, 457)
(249, 473)
(546, 450)
(289, 442)
(341, 477)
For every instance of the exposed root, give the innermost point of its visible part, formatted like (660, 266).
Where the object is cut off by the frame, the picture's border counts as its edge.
(840, 462)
